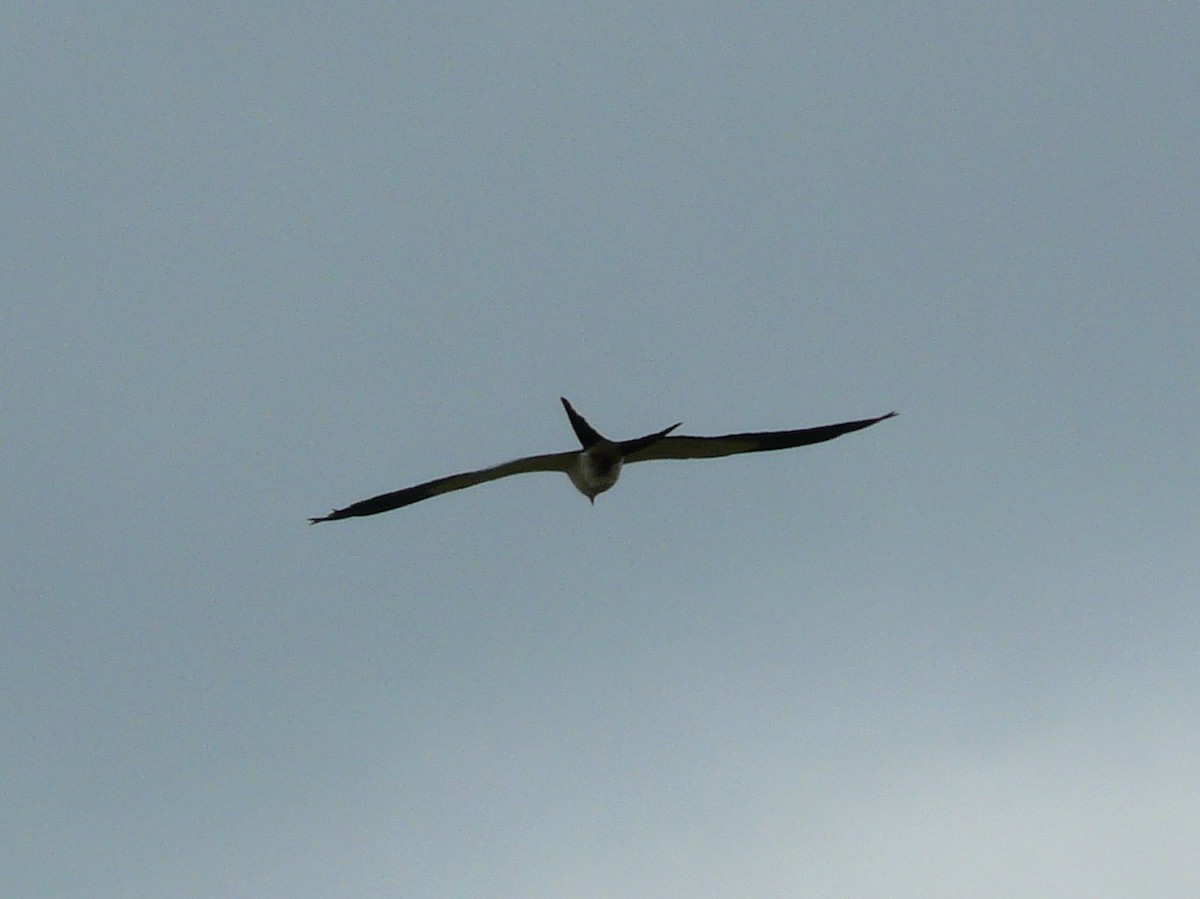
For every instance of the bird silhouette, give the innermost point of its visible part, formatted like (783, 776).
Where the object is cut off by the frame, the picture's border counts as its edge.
(597, 465)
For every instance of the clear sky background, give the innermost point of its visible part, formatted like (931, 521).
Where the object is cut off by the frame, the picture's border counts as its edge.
(258, 264)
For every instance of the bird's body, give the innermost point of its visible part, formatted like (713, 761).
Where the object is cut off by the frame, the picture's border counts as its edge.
(597, 466)
(596, 469)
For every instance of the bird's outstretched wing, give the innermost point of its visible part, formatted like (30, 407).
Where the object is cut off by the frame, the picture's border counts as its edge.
(685, 447)
(387, 501)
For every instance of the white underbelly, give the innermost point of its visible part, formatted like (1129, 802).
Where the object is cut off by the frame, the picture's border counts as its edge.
(596, 472)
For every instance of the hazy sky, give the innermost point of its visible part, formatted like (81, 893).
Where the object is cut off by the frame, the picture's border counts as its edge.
(260, 264)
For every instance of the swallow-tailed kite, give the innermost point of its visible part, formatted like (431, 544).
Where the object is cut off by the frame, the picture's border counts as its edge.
(596, 467)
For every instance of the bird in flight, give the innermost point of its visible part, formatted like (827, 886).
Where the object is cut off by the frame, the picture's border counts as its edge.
(596, 467)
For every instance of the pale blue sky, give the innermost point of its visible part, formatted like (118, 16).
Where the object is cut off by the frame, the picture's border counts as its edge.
(261, 264)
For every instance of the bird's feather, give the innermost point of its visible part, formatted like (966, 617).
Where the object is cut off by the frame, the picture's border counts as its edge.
(687, 447)
(386, 502)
